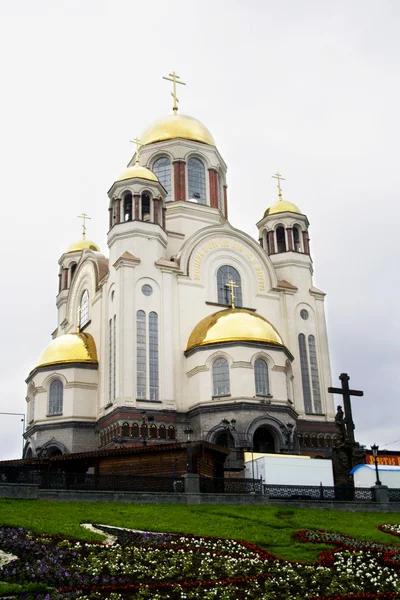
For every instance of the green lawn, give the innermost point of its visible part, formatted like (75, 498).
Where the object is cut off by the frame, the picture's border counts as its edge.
(268, 526)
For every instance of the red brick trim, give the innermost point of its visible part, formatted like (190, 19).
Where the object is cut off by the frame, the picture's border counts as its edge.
(179, 180)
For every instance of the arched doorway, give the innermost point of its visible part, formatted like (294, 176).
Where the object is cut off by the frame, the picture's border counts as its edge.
(225, 438)
(263, 441)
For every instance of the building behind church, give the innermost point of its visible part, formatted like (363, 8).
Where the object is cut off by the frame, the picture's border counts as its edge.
(186, 326)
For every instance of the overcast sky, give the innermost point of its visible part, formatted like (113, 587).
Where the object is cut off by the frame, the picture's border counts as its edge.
(307, 87)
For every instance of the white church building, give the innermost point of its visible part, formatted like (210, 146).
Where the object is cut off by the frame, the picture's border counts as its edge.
(185, 326)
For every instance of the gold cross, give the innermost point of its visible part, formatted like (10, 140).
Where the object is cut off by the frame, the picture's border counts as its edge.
(278, 176)
(85, 218)
(231, 284)
(174, 78)
(138, 145)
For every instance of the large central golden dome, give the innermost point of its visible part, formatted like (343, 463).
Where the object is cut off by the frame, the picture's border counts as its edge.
(177, 126)
(69, 348)
(233, 325)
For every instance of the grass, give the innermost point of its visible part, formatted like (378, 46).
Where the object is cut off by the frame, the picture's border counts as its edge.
(269, 526)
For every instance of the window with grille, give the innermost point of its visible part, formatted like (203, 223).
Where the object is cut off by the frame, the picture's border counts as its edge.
(310, 375)
(220, 375)
(84, 309)
(225, 274)
(162, 168)
(261, 377)
(141, 353)
(153, 355)
(56, 397)
(196, 180)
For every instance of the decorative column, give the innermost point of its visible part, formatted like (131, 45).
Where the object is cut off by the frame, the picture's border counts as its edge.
(289, 232)
(156, 203)
(179, 180)
(118, 210)
(226, 201)
(271, 242)
(213, 177)
(65, 279)
(110, 216)
(164, 219)
(306, 243)
(136, 199)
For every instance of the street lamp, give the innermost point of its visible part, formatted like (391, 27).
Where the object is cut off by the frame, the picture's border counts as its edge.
(188, 432)
(23, 425)
(375, 449)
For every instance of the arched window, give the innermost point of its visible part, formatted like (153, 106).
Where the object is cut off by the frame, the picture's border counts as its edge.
(144, 431)
(162, 432)
(141, 353)
(153, 355)
(280, 239)
(225, 274)
(296, 239)
(153, 432)
(314, 441)
(125, 429)
(321, 441)
(220, 376)
(314, 374)
(145, 207)
(171, 432)
(162, 168)
(196, 180)
(307, 440)
(73, 269)
(261, 377)
(328, 441)
(56, 397)
(135, 430)
(221, 202)
(128, 207)
(301, 440)
(305, 376)
(84, 309)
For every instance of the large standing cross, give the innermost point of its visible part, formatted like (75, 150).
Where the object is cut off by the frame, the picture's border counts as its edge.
(279, 177)
(85, 218)
(174, 78)
(346, 393)
(231, 285)
(138, 145)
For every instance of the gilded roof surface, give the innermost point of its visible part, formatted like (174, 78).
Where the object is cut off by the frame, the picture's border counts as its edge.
(137, 172)
(69, 348)
(177, 126)
(282, 206)
(83, 245)
(233, 325)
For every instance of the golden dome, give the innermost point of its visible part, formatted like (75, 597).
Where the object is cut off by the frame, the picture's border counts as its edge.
(69, 348)
(137, 172)
(177, 126)
(83, 244)
(233, 325)
(282, 206)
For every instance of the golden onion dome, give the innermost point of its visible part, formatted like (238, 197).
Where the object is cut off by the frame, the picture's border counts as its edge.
(233, 325)
(69, 348)
(137, 172)
(177, 126)
(83, 244)
(282, 206)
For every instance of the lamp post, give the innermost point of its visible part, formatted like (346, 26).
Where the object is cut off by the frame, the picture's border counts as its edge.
(144, 426)
(23, 424)
(188, 432)
(375, 449)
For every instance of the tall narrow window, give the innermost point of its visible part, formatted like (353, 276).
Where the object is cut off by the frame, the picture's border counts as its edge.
(221, 203)
(125, 429)
(128, 207)
(84, 309)
(162, 168)
(296, 239)
(261, 377)
(162, 432)
(220, 375)
(141, 353)
(305, 376)
(135, 430)
(196, 180)
(111, 359)
(314, 374)
(280, 239)
(56, 398)
(153, 355)
(225, 274)
(145, 207)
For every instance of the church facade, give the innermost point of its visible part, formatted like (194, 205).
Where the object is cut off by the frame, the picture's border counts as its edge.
(188, 328)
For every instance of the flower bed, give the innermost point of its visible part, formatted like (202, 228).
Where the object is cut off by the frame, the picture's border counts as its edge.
(142, 565)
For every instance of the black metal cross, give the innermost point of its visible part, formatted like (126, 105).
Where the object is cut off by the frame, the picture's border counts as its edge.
(346, 393)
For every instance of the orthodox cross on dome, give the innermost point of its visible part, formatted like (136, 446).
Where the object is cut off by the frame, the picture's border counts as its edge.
(231, 285)
(279, 177)
(138, 146)
(85, 218)
(346, 393)
(174, 78)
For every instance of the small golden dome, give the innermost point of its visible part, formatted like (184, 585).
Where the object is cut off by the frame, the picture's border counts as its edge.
(233, 325)
(282, 206)
(137, 172)
(69, 348)
(177, 126)
(83, 244)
